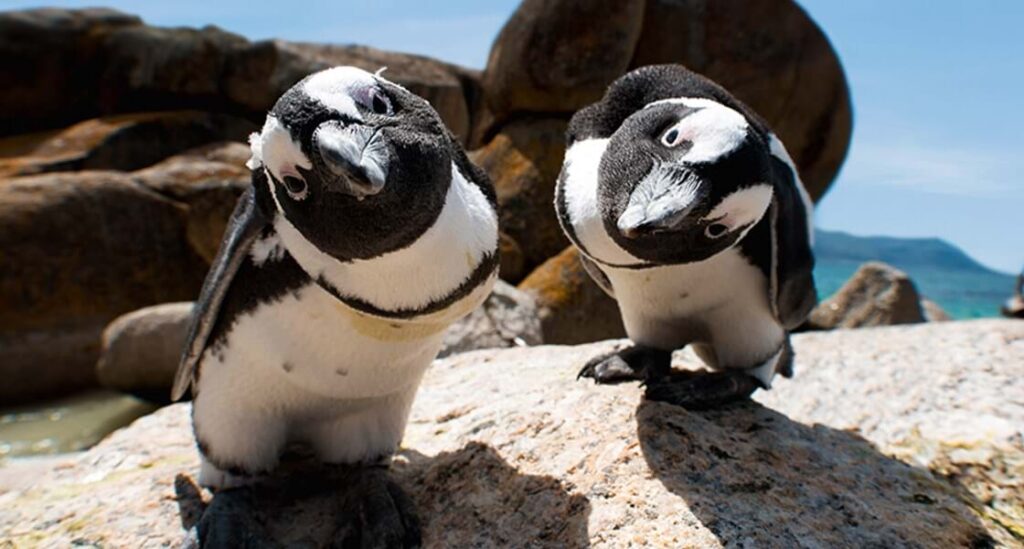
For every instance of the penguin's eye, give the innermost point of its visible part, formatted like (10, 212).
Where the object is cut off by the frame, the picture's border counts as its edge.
(671, 138)
(380, 103)
(715, 230)
(374, 99)
(296, 187)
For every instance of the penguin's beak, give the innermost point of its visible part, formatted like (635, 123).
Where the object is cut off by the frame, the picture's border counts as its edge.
(661, 202)
(353, 157)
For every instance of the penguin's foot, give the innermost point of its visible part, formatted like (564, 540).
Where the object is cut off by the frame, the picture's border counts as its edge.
(702, 390)
(230, 521)
(376, 513)
(629, 364)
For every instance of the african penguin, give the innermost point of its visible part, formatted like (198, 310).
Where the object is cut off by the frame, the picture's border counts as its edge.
(366, 232)
(687, 209)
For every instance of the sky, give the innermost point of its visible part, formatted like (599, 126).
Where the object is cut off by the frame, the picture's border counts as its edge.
(937, 86)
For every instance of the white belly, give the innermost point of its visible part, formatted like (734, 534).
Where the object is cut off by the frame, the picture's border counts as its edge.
(721, 302)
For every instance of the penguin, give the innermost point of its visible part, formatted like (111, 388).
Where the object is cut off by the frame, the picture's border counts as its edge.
(364, 234)
(688, 210)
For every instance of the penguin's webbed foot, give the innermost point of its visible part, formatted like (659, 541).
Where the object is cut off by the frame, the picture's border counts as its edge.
(702, 390)
(376, 513)
(229, 521)
(630, 364)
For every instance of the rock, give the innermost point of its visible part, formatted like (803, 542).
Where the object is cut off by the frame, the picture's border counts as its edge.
(513, 263)
(507, 448)
(554, 57)
(141, 350)
(208, 180)
(557, 56)
(116, 64)
(573, 309)
(77, 251)
(1013, 308)
(507, 318)
(876, 295)
(124, 142)
(933, 311)
(523, 161)
(940, 396)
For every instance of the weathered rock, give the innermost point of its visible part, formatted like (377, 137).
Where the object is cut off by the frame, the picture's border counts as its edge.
(208, 180)
(573, 309)
(940, 396)
(78, 250)
(1013, 308)
(933, 312)
(558, 56)
(876, 295)
(513, 263)
(506, 448)
(115, 64)
(125, 142)
(508, 318)
(141, 350)
(523, 162)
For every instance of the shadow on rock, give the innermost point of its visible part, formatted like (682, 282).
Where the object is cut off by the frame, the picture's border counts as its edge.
(467, 498)
(754, 477)
(473, 498)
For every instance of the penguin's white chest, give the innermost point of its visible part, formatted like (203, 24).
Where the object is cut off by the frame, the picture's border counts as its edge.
(310, 342)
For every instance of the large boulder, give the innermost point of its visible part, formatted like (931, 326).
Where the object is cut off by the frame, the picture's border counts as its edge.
(523, 162)
(116, 64)
(876, 295)
(507, 318)
(77, 251)
(507, 448)
(554, 57)
(124, 142)
(573, 308)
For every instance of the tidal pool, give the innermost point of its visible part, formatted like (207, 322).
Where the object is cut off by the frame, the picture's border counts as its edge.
(68, 424)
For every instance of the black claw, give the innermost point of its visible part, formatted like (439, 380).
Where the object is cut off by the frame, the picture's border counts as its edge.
(702, 390)
(230, 521)
(630, 364)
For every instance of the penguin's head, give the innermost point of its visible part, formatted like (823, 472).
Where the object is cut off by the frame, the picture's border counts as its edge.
(682, 180)
(358, 165)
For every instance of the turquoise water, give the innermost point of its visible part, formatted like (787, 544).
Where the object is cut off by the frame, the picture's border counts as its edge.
(962, 294)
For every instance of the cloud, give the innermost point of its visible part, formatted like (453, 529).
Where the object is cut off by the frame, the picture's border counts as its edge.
(935, 168)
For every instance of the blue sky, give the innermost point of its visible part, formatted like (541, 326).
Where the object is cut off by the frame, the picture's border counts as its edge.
(938, 92)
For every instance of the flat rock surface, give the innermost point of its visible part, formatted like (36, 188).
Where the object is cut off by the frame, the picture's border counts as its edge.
(506, 448)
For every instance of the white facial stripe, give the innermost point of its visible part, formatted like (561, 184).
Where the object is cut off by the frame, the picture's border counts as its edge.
(779, 151)
(333, 88)
(278, 152)
(582, 161)
(742, 208)
(658, 196)
(443, 256)
(715, 130)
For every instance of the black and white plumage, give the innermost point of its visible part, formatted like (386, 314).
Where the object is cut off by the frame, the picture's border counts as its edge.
(365, 234)
(688, 210)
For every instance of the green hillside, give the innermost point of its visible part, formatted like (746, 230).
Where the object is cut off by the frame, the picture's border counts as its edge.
(942, 272)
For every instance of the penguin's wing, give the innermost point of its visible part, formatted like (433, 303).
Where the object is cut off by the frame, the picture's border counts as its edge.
(245, 225)
(598, 275)
(793, 291)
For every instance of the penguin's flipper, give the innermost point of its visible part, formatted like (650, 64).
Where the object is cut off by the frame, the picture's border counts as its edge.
(597, 275)
(793, 293)
(246, 224)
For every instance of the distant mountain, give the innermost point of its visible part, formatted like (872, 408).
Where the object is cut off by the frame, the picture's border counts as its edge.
(903, 253)
(941, 271)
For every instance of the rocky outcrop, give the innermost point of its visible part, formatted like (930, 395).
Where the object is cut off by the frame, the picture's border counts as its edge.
(933, 312)
(142, 349)
(554, 57)
(523, 161)
(876, 295)
(507, 448)
(116, 64)
(78, 250)
(573, 308)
